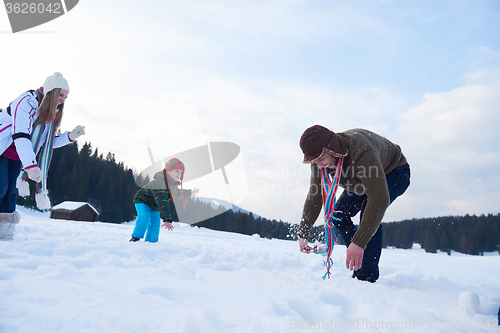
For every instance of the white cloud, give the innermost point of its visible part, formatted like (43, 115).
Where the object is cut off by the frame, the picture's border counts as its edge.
(451, 140)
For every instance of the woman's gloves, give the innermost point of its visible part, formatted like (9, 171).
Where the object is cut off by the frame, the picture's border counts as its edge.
(35, 174)
(77, 132)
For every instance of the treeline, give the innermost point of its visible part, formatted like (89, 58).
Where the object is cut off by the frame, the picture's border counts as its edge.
(223, 219)
(87, 176)
(469, 234)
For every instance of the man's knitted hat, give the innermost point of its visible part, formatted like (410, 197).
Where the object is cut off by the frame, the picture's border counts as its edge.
(55, 81)
(175, 164)
(317, 140)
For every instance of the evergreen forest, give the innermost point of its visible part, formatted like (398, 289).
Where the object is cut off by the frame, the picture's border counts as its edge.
(469, 234)
(86, 176)
(109, 186)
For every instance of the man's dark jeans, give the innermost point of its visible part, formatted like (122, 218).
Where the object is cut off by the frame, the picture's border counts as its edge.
(350, 204)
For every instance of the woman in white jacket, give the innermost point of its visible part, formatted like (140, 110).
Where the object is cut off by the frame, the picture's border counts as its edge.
(27, 126)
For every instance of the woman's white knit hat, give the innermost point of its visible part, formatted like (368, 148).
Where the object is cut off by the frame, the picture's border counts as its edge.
(55, 81)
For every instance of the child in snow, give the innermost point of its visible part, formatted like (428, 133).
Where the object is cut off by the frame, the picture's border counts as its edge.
(29, 126)
(156, 200)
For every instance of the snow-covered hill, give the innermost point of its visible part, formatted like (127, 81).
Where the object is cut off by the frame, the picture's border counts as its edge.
(64, 276)
(216, 203)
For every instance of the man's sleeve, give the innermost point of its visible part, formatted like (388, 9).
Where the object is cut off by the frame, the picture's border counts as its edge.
(377, 192)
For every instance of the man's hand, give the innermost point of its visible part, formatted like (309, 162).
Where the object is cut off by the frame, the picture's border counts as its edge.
(354, 257)
(303, 246)
(168, 226)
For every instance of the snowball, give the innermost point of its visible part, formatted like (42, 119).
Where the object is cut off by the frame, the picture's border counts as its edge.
(468, 301)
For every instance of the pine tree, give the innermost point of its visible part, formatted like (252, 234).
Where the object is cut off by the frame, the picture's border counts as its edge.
(430, 243)
(444, 243)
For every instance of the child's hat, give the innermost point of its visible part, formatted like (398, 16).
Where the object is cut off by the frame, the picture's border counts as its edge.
(175, 164)
(55, 81)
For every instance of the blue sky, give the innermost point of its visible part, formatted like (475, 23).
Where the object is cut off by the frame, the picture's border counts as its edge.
(411, 47)
(173, 75)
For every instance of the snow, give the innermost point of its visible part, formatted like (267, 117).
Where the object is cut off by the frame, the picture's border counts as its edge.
(67, 276)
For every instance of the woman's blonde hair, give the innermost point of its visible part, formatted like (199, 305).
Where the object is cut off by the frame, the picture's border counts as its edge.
(50, 110)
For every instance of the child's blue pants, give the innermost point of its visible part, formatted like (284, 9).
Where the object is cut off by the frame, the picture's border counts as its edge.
(148, 222)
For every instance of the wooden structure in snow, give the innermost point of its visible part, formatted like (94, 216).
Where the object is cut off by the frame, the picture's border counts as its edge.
(73, 210)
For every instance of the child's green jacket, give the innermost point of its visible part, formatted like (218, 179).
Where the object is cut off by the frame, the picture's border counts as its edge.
(156, 196)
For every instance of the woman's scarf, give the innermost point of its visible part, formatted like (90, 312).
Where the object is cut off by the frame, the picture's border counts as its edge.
(41, 197)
